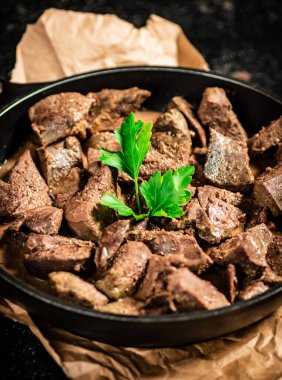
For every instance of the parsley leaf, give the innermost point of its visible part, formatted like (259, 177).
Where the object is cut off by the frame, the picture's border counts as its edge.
(164, 194)
(113, 202)
(134, 139)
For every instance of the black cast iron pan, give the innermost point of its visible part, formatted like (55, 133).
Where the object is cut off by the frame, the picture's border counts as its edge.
(254, 108)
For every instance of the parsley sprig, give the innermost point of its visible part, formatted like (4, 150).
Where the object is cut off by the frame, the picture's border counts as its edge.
(164, 194)
(134, 139)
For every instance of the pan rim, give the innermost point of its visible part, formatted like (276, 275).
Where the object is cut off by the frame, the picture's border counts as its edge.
(209, 74)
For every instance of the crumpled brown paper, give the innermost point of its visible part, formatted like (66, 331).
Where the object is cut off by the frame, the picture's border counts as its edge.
(65, 43)
(253, 353)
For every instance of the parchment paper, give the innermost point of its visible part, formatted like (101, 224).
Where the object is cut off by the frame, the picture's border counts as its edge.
(64, 43)
(253, 353)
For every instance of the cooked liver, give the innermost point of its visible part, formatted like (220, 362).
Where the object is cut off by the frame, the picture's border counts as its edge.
(111, 106)
(46, 254)
(269, 277)
(69, 186)
(187, 292)
(180, 250)
(274, 255)
(186, 109)
(278, 154)
(110, 243)
(227, 163)
(268, 190)
(216, 112)
(231, 282)
(25, 189)
(106, 140)
(267, 137)
(57, 160)
(155, 279)
(260, 215)
(84, 214)
(171, 144)
(246, 250)
(93, 161)
(59, 116)
(218, 217)
(127, 306)
(121, 279)
(72, 288)
(156, 161)
(252, 290)
(45, 220)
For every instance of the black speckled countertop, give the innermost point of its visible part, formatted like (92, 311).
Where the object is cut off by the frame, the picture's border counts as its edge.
(233, 35)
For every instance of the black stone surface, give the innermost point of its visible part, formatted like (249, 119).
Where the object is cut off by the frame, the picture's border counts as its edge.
(233, 35)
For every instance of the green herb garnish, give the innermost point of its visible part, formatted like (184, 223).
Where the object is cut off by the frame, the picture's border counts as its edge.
(164, 194)
(134, 139)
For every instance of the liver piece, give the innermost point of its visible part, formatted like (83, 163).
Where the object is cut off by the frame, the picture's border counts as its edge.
(25, 189)
(227, 163)
(84, 214)
(58, 116)
(268, 190)
(72, 288)
(216, 112)
(129, 266)
(268, 137)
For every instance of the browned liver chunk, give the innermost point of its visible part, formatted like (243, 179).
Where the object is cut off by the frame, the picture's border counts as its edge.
(45, 220)
(274, 255)
(187, 292)
(84, 213)
(216, 112)
(9, 199)
(106, 140)
(59, 116)
(112, 106)
(180, 250)
(184, 107)
(57, 253)
(252, 290)
(110, 243)
(69, 186)
(268, 190)
(227, 163)
(156, 161)
(25, 189)
(155, 278)
(231, 282)
(57, 160)
(92, 160)
(73, 289)
(218, 217)
(128, 306)
(171, 144)
(270, 277)
(247, 250)
(260, 215)
(268, 137)
(129, 266)
(278, 154)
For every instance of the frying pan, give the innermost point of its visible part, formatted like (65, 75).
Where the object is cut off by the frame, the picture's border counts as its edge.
(254, 109)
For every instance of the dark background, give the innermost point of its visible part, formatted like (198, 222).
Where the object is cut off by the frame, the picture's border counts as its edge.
(233, 35)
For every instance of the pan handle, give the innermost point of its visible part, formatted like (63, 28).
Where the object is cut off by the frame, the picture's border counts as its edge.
(10, 91)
